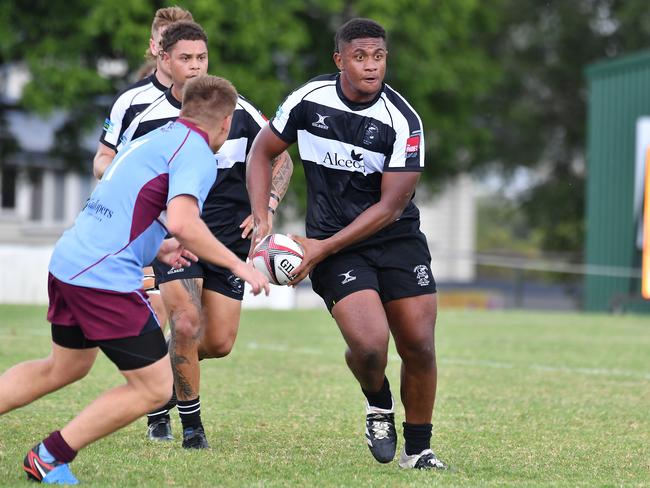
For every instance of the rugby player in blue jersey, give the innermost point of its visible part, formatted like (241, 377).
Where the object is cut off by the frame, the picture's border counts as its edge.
(156, 185)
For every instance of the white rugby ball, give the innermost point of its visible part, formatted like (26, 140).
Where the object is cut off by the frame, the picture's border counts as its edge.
(277, 256)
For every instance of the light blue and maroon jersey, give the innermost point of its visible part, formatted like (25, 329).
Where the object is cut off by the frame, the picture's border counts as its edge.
(120, 228)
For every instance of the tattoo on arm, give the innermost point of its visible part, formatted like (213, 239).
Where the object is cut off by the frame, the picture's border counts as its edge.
(281, 174)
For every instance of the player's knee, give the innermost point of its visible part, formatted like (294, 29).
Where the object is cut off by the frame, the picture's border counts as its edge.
(69, 372)
(217, 348)
(159, 391)
(369, 357)
(418, 352)
(187, 324)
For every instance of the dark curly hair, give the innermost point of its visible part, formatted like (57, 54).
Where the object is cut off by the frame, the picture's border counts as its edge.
(357, 29)
(182, 31)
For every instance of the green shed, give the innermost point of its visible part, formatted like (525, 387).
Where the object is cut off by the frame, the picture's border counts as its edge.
(618, 101)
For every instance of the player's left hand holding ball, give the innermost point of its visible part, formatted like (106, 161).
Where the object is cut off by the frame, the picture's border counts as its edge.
(173, 254)
(314, 251)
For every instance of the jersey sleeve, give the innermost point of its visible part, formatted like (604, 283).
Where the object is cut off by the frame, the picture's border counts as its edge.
(285, 123)
(408, 148)
(192, 171)
(254, 120)
(114, 123)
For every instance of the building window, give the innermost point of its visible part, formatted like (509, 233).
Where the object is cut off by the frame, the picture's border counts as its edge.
(36, 179)
(8, 187)
(59, 196)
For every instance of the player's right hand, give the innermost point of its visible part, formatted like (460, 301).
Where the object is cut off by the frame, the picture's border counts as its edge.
(260, 231)
(253, 277)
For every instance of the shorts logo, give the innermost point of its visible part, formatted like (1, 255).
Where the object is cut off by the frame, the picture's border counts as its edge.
(175, 270)
(412, 146)
(108, 126)
(320, 123)
(422, 275)
(347, 277)
(236, 284)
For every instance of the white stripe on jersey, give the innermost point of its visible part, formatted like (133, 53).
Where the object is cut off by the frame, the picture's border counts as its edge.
(139, 95)
(160, 109)
(233, 151)
(338, 155)
(282, 115)
(404, 135)
(383, 110)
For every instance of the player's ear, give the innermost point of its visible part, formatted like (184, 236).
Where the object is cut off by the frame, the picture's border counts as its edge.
(337, 60)
(154, 48)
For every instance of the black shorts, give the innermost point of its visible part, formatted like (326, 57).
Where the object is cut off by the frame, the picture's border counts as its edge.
(126, 353)
(395, 269)
(215, 278)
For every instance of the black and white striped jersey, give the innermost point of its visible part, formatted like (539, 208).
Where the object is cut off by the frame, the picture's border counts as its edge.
(227, 204)
(163, 109)
(345, 148)
(126, 106)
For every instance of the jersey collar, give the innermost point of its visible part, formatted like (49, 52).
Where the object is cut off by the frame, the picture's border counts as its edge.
(171, 99)
(156, 82)
(355, 105)
(195, 128)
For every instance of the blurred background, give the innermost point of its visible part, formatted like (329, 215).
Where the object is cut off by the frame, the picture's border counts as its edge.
(533, 114)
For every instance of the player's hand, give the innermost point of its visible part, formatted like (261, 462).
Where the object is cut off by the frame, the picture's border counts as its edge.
(260, 231)
(173, 254)
(314, 251)
(248, 224)
(253, 277)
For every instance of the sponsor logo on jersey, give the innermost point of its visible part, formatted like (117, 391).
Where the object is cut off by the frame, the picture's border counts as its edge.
(412, 146)
(422, 274)
(353, 162)
(97, 209)
(320, 122)
(371, 134)
(108, 126)
(347, 277)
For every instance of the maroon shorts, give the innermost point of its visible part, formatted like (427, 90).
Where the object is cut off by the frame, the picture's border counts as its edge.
(101, 314)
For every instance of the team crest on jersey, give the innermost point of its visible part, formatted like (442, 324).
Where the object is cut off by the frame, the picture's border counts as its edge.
(371, 134)
(422, 274)
(108, 126)
(320, 122)
(412, 146)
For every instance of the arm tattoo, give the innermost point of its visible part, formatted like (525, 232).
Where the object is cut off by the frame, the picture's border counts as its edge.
(281, 174)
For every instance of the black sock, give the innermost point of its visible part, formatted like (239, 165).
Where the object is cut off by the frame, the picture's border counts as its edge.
(382, 398)
(190, 412)
(417, 438)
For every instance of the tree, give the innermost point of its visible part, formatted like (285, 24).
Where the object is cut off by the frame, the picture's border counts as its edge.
(537, 112)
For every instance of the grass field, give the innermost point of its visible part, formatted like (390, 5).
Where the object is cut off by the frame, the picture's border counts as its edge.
(524, 399)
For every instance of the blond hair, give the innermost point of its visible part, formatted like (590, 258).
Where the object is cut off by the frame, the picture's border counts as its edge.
(164, 17)
(208, 98)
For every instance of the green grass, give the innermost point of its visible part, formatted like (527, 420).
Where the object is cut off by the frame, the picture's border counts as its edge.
(524, 399)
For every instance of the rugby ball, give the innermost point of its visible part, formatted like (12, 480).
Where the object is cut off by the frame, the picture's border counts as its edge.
(277, 256)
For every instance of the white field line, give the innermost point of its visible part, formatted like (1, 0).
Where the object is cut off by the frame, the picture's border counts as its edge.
(605, 372)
